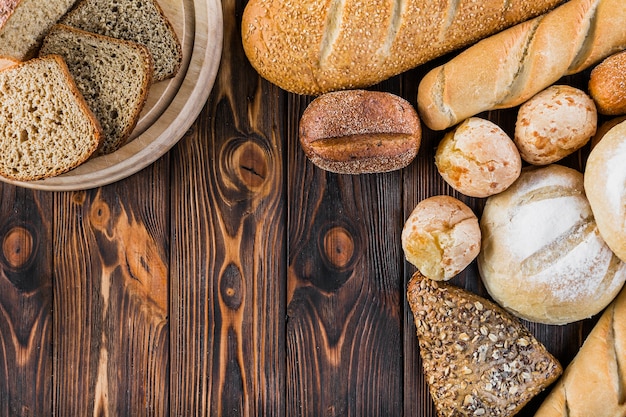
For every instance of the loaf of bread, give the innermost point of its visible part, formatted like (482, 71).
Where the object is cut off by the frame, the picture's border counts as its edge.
(510, 67)
(542, 256)
(607, 85)
(312, 47)
(7, 62)
(605, 176)
(113, 75)
(47, 128)
(360, 132)
(478, 359)
(24, 23)
(594, 383)
(139, 21)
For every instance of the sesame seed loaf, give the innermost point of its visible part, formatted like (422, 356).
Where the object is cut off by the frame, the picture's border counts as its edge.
(478, 359)
(312, 47)
(138, 21)
(113, 75)
(23, 24)
(46, 128)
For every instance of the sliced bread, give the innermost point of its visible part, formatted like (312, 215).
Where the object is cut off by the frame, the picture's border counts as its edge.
(138, 21)
(113, 75)
(46, 128)
(23, 24)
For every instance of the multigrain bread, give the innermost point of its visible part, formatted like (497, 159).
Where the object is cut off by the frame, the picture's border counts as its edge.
(594, 383)
(542, 255)
(46, 128)
(139, 21)
(113, 75)
(508, 68)
(478, 360)
(24, 23)
(441, 237)
(360, 132)
(312, 47)
(605, 176)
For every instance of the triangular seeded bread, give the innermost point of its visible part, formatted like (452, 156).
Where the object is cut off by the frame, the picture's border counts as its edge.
(478, 359)
(137, 21)
(113, 75)
(46, 128)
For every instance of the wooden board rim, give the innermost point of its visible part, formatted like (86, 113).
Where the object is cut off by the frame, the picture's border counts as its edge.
(184, 97)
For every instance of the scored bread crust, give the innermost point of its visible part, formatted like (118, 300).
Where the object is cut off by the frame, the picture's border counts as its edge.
(508, 68)
(478, 359)
(89, 117)
(312, 47)
(130, 113)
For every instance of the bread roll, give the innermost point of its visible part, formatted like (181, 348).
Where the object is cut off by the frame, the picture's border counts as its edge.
(360, 132)
(510, 67)
(554, 124)
(441, 237)
(594, 383)
(604, 128)
(605, 176)
(542, 256)
(607, 85)
(478, 158)
(312, 47)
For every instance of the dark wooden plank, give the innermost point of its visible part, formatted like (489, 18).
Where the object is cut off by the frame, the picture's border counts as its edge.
(111, 330)
(228, 251)
(344, 344)
(25, 302)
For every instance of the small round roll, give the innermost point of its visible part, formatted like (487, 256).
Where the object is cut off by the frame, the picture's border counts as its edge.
(542, 257)
(607, 85)
(605, 176)
(441, 237)
(478, 158)
(554, 124)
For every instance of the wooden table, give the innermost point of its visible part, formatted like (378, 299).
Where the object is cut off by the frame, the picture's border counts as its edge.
(229, 278)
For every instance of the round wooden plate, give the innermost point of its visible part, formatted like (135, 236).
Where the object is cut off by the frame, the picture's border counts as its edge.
(172, 106)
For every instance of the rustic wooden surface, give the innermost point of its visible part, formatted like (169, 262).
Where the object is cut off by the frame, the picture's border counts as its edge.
(230, 278)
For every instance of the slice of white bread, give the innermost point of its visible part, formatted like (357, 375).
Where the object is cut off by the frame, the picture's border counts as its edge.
(138, 21)
(24, 23)
(46, 128)
(113, 75)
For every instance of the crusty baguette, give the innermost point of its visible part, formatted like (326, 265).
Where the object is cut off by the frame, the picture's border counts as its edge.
(312, 47)
(594, 383)
(508, 68)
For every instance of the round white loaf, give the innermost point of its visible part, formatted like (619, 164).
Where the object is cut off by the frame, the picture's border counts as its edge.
(605, 179)
(542, 257)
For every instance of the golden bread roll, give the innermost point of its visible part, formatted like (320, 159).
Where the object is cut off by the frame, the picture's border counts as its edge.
(478, 158)
(607, 85)
(441, 237)
(542, 256)
(554, 124)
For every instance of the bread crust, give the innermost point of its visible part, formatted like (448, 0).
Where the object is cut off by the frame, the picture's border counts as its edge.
(312, 47)
(7, 8)
(508, 68)
(607, 85)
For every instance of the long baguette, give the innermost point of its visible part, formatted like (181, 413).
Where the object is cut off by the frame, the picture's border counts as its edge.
(508, 68)
(316, 46)
(594, 383)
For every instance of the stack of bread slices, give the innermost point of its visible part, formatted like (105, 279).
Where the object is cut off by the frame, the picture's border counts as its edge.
(73, 85)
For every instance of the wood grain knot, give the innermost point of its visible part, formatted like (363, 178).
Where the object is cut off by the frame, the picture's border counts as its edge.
(17, 247)
(245, 165)
(338, 247)
(231, 287)
(99, 214)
